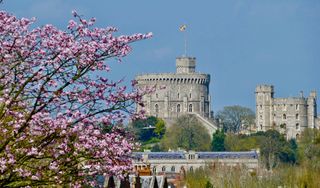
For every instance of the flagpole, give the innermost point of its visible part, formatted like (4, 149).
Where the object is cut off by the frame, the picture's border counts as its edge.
(185, 43)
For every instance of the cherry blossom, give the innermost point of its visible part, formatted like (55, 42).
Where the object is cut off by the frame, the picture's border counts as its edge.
(58, 108)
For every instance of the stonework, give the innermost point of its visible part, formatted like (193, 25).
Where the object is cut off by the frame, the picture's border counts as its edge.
(183, 92)
(174, 162)
(287, 115)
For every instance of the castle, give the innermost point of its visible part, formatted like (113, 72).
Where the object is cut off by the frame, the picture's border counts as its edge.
(289, 116)
(185, 92)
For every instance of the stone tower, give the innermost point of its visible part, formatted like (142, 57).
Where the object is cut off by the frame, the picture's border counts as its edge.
(264, 97)
(312, 109)
(185, 92)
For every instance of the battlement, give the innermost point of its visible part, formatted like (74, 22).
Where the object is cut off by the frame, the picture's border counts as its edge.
(264, 89)
(173, 78)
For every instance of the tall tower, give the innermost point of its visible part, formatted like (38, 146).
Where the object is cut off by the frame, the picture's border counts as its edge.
(185, 65)
(264, 100)
(312, 109)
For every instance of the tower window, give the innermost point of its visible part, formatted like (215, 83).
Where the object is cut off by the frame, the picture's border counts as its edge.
(284, 116)
(173, 169)
(191, 169)
(178, 108)
(163, 169)
(297, 107)
(190, 107)
(190, 95)
(297, 126)
(156, 95)
(178, 95)
(297, 116)
(156, 108)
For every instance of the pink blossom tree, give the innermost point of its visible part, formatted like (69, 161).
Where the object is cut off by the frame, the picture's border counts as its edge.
(56, 102)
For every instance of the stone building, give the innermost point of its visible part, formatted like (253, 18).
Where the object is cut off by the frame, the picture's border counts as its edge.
(287, 115)
(175, 162)
(183, 92)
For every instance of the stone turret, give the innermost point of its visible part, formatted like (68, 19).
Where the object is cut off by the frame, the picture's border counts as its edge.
(312, 109)
(264, 95)
(185, 65)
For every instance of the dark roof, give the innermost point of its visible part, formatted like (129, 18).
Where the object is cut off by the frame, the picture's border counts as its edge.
(201, 155)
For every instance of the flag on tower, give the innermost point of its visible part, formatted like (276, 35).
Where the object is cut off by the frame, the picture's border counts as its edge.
(183, 27)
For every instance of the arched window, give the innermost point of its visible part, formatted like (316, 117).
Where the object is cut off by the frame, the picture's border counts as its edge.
(297, 116)
(297, 126)
(284, 116)
(178, 108)
(163, 169)
(156, 107)
(173, 169)
(190, 107)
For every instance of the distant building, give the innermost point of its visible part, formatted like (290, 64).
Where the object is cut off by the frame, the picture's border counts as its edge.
(289, 115)
(181, 161)
(185, 92)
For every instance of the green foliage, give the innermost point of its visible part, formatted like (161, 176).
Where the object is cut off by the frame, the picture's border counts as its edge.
(236, 118)
(238, 177)
(187, 133)
(217, 143)
(198, 178)
(160, 128)
(149, 130)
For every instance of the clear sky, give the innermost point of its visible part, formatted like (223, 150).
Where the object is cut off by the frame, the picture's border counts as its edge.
(241, 43)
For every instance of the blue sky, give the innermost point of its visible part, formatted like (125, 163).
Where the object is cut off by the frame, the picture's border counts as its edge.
(241, 43)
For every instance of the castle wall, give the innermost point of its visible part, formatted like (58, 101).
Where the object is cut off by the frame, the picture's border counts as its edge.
(289, 116)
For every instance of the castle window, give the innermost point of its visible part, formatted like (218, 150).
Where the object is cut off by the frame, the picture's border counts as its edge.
(178, 95)
(297, 116)
(190, 95)
(260, 106)
(284, 107)
(156, 107)
(297, 126)
(260, 126)
(191, 169)
(156, 95)
(190, 107)
(163, 169)
(154, 169)
(284, 116)
(297, 107)
(173, 169)
(178, 108)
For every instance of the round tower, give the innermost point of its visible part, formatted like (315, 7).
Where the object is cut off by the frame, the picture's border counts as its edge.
(185, 65)
(264, 96)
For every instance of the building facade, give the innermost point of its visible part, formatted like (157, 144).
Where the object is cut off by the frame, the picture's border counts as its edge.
(176, 162)
(287, 115)
(183, 92)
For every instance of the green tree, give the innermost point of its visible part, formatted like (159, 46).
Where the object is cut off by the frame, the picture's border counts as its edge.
(187, 133)
(235, 118)
(217, 143)
(160, 128)
(143, 129)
